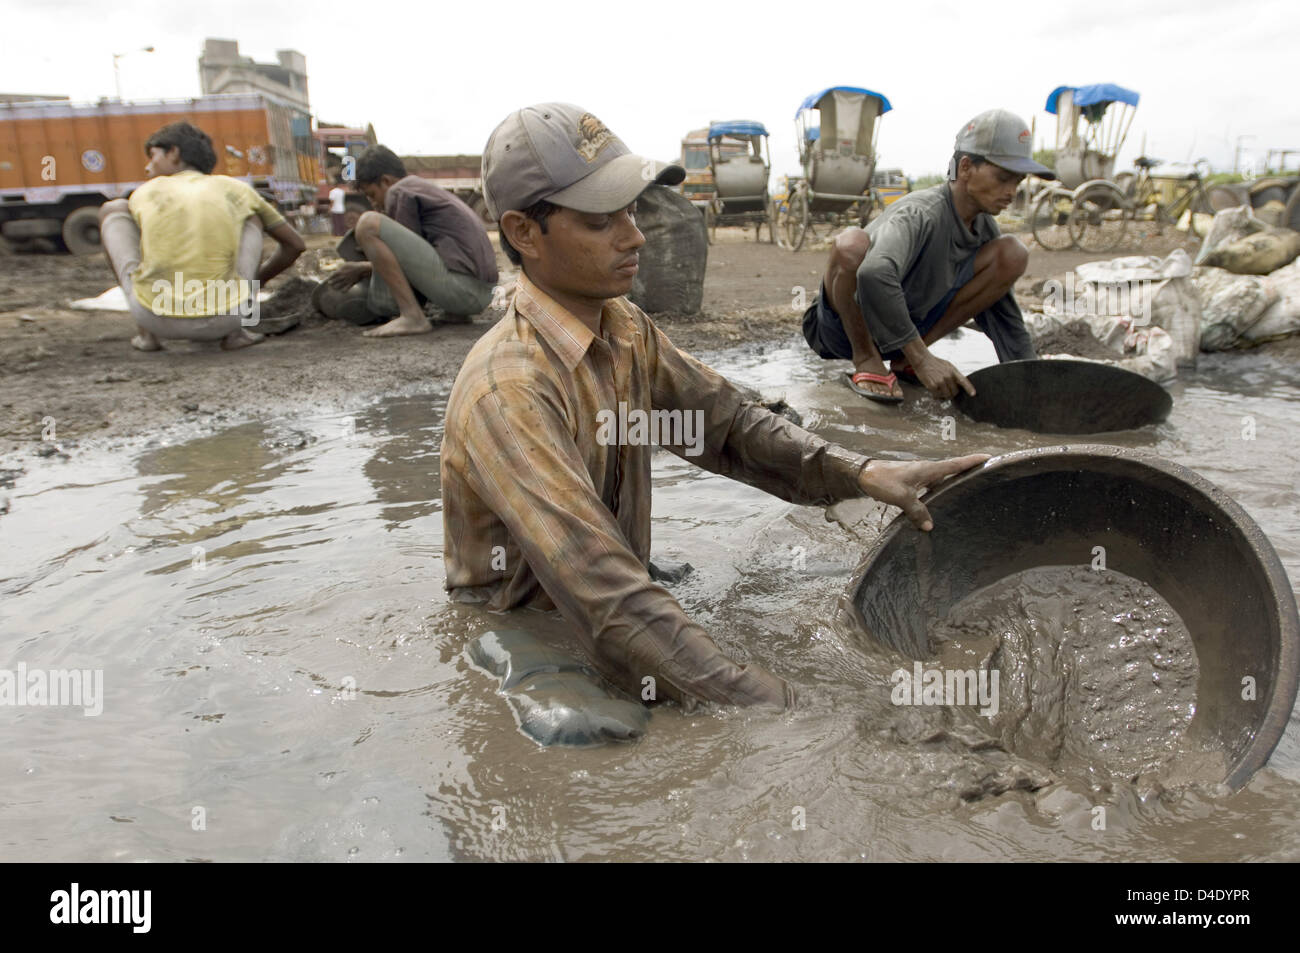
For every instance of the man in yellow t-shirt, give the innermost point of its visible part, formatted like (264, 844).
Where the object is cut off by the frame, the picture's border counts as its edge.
(187, 246)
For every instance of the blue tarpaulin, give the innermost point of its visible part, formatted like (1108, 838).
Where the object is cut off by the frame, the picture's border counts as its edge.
(811, 101)
(738, 127)
(1098, 94)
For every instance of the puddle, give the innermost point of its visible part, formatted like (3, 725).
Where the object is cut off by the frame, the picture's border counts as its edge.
(284, 678)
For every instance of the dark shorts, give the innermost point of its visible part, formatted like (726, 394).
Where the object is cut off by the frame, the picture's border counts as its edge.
(824, 330)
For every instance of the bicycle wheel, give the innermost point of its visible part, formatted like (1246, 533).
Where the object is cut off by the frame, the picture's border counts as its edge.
(1099, 219)
(796, 220)
(1050, 220)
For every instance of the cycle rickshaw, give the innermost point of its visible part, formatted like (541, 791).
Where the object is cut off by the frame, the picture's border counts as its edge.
(1089, 207)
(837, 150)
(741, 164)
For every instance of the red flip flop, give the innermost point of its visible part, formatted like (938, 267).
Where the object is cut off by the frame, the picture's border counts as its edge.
(905, 373)
(855, 382)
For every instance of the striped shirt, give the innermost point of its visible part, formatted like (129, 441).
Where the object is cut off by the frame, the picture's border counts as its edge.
(546, 494)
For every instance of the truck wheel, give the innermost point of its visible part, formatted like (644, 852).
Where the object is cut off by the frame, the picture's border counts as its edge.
(81, 231)
(354, 206)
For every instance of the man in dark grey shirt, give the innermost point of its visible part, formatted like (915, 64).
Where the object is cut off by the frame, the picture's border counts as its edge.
(932, 262)
(427, 246)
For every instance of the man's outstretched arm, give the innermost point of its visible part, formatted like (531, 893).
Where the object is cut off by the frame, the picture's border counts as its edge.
(749, 443)
(526, 467)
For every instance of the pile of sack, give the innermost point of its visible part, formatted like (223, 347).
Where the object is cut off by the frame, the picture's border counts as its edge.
(1248, 281)
(1155, 314)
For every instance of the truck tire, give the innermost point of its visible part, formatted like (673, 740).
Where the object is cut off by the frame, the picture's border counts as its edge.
(81, 231)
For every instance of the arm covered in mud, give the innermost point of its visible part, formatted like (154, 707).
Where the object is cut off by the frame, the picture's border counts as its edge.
(529, 471)
(749, 443)
(743, 440)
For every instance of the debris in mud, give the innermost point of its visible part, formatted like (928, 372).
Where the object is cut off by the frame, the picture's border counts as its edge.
(286, 309)
(1074, 338)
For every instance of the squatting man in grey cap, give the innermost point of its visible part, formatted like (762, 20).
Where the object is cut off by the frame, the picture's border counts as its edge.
(543, 504)
(933, 261)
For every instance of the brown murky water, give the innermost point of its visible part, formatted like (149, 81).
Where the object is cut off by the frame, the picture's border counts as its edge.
(1089, 673)
(284, 678)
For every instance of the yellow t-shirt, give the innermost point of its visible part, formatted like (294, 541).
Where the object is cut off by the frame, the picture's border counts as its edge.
(190, 225)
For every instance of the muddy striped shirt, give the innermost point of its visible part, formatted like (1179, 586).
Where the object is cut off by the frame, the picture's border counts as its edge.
(544, 505)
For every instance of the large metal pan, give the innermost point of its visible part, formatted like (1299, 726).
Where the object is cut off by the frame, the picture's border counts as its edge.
(1064, 397)
(1159, 522)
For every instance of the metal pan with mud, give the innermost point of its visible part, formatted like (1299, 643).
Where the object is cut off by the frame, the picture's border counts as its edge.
(1158, 522)
(1064, 397)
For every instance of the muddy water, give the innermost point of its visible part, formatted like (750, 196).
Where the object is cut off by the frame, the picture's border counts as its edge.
(1091, 674)
(284, 678)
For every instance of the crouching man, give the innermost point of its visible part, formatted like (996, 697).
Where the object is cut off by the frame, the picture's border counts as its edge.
(187, 246)
(543, 504)
(935, 260)
(426, 246)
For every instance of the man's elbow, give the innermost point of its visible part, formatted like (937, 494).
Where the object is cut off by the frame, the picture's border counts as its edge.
(293, 245)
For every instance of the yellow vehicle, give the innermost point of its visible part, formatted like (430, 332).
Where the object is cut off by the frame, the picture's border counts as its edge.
(699, 185)
(889, 185)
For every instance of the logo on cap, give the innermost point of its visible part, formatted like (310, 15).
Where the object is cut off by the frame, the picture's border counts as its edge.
(1024, 135)
(595, 136)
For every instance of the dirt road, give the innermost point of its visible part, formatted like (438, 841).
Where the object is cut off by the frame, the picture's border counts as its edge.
(74, 373)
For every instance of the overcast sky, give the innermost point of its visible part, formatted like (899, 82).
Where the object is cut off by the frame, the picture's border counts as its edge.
(436, 78)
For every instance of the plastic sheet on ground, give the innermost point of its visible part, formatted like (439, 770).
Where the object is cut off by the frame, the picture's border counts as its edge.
(114, 299)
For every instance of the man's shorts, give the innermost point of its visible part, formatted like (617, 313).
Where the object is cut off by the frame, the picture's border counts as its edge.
(824, 330)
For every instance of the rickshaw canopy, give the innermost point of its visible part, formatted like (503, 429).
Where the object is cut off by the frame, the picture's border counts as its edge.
(1098, 95)
(811, 101)
(738, 127)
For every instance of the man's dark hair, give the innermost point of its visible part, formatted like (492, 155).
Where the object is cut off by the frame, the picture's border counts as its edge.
(376, 162)
(539, 212)
(194, 143)
(975, 161)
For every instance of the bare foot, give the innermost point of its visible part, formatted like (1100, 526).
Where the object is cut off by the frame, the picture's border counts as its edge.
(878, 368)
(402, 324)
(144, 341)
(241, 338)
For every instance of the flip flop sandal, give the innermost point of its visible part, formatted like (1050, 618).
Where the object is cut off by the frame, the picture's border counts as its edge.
(855, 380)
(905, 373)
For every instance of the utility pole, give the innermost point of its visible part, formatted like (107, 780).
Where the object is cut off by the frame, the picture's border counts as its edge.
(117, 73)
(1236, 155)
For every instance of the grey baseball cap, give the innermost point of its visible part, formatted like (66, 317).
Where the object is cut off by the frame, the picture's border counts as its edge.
(1004, 139)
(564, 154)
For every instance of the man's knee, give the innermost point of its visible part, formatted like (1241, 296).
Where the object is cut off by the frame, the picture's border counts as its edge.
(112, 206)
(1010, 258)
(367, 227)
(851, 246)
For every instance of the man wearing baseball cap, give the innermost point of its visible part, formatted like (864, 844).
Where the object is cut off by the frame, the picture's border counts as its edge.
(933, 261)
(546, 504)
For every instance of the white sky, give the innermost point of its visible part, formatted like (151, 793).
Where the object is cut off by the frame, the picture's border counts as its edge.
(436, 78)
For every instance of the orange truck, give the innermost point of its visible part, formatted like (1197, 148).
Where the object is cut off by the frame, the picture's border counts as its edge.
(60, 161)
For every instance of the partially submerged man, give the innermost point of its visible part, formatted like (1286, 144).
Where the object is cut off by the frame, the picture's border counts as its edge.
(187, 246)
(425, 245)
(933, 261)
(544, 503)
